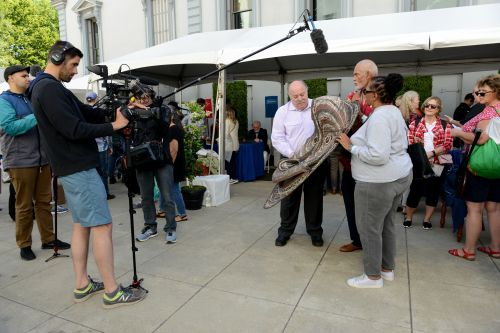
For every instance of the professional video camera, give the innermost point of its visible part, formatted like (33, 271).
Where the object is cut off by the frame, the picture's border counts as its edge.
(120, 95)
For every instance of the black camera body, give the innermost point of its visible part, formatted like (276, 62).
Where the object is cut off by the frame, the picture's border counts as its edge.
(144, 131)
(119, 95)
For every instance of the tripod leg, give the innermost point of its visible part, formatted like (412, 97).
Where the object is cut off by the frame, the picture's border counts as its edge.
(56, 249)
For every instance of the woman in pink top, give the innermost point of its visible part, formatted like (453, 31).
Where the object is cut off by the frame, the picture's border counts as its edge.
(479, 192)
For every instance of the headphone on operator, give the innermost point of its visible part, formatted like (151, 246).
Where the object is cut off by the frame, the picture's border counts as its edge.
(57, 56)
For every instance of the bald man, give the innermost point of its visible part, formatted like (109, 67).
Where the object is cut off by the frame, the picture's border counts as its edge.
(292, 126)
(363, 73)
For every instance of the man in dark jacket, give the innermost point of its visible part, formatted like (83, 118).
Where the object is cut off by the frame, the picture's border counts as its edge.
(258, 134)
(26, 164)
(464, 107)
(68, 129)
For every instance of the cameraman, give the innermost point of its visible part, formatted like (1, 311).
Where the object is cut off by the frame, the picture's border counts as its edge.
(152, 131)
(68, 129)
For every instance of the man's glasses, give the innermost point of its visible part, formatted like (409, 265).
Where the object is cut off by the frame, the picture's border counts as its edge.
(482, 93)
(368, 91)
(431, 106)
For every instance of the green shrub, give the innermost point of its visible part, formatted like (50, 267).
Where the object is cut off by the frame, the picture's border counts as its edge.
(316, 87)
(236, 96)
(420, 84)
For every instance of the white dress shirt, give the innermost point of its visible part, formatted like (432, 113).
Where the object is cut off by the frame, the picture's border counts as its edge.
(291, 128)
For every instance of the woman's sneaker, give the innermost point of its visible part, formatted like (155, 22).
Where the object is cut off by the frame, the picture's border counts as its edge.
(123, 296)
(83, 294)
(407, 223)
(427, 225)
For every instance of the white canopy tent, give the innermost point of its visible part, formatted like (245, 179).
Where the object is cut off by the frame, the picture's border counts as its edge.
(423, 42)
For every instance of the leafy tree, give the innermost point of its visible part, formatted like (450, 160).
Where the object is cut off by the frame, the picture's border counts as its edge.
(28, 28)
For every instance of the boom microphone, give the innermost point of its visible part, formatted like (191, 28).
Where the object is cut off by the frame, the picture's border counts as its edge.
(317, 37)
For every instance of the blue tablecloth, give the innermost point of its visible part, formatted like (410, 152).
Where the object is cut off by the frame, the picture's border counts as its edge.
(250, 163)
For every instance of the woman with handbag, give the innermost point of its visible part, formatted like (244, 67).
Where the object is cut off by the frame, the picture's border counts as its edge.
(481, 192)
(437, 140)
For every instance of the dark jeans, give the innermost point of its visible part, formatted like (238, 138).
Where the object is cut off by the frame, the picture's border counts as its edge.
(313, 205)
(102, 169)
(348, 185)
(117, 152)
(164, 178)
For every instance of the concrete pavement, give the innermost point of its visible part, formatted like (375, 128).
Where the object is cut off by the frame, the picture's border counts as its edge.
(224, 274)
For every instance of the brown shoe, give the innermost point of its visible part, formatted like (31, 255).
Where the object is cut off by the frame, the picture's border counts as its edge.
(349, 248)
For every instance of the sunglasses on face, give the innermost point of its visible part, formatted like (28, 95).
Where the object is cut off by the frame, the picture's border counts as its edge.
(431, 106)
(482, 93)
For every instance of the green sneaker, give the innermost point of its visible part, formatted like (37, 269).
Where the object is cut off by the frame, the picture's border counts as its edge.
(83, 294)
(123, 296)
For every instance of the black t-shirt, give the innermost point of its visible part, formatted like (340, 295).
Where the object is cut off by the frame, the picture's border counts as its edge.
(175, 133)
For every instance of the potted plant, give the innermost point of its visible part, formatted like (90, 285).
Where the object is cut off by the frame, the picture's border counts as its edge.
(193, 194)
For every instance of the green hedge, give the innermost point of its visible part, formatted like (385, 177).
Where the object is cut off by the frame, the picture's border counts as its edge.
(316, 87)
(236, 95)
(420, 84)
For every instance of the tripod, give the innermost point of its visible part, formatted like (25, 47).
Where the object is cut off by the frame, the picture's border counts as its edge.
(56, 249)
(136, 283)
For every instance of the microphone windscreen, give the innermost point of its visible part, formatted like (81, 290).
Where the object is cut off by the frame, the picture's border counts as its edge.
(318, 39)
(149, 81)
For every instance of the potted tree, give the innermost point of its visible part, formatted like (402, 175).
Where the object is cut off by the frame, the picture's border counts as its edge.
(193, 194)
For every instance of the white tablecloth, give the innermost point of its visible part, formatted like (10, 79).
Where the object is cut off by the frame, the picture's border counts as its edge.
(217, 189)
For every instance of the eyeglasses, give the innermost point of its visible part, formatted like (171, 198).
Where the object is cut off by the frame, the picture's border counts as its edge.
(482, 93)
(432, 106)
(368, 91)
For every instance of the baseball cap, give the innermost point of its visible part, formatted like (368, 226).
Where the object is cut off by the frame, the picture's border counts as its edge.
(90, 96)
(14, 69)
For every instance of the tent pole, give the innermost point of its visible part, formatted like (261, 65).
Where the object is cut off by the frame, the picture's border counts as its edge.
(221, 101)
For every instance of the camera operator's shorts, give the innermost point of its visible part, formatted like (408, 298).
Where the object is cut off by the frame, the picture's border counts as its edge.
(86, 197)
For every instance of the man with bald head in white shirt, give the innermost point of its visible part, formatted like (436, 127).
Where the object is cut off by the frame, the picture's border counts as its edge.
(292, 126)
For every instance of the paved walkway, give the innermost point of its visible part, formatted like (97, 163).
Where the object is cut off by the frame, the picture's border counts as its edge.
(225, 275)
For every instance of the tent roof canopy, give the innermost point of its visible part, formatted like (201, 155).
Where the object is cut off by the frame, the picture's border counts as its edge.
(421, 42)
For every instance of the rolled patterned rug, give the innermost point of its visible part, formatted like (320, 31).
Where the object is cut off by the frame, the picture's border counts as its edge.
(331, 116)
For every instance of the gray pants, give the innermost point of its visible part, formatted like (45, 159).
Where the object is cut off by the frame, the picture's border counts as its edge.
(376, 218)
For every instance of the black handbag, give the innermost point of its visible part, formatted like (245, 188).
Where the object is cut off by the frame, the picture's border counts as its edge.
(147, 154)
(422, 168)
(462, 169)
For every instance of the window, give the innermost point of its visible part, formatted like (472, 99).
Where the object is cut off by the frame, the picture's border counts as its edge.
(242, 14)
(159, 13)
(434, 4)
(93, 41)
(90, 25)
(327, 9)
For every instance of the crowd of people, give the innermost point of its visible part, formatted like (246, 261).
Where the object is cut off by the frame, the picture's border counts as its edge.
(46, 132)
(378, 179)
